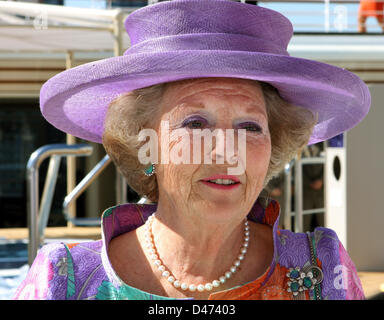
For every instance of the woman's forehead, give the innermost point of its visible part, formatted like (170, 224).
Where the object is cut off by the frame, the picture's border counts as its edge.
(194, 90)
(190, 85)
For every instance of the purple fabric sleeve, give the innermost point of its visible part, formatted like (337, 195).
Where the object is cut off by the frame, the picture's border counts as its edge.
(341, 281)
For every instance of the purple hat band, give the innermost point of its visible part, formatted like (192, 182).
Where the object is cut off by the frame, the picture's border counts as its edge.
(213, 41)
(184, 39)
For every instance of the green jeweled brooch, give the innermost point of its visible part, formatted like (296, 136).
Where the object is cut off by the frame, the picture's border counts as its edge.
(303, 279)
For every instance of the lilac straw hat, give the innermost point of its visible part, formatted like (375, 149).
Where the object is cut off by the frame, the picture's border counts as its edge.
(185, 39)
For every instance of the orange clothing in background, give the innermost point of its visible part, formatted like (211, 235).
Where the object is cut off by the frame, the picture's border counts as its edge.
(371, 8)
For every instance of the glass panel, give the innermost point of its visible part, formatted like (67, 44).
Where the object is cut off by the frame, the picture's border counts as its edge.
(22, 131)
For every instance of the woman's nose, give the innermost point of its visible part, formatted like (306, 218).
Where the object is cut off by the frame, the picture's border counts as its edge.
(223, 147)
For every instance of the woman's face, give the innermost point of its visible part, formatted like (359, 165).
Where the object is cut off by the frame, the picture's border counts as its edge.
(213, 103)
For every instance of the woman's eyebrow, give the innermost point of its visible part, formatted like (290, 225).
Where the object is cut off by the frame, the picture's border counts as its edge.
(186, 108)
(256, 111)
(253, 109)
(199, 105)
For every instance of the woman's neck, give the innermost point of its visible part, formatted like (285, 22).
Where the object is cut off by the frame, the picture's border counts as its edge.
(195, 250)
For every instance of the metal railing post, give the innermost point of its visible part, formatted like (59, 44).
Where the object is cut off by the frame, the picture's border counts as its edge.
(32, 176)
(118, 29)
(71, 140)
(47, 197)
(82, 186)
(142, 200)
(32, 208)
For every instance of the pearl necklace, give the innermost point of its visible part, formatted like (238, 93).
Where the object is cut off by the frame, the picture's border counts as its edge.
(191, 287)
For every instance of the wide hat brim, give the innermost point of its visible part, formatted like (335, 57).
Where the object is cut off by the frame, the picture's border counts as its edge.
(76, 100)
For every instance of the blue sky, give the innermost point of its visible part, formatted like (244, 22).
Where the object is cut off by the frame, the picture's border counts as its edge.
(304, 16)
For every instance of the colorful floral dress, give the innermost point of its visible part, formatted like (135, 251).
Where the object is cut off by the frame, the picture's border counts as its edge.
(82, 271)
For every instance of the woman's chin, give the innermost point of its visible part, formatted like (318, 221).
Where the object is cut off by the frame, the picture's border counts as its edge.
(222, 204)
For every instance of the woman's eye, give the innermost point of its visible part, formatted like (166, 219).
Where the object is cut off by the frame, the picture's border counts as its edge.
(250, 126)
(194, 123)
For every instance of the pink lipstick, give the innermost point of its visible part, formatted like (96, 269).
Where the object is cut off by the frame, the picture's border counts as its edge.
(222, 182)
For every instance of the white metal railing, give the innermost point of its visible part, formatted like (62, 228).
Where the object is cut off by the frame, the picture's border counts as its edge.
(38, 213)
(79, 189)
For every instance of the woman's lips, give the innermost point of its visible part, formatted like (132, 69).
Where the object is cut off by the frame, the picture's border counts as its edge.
(222, 176)
(221, 186)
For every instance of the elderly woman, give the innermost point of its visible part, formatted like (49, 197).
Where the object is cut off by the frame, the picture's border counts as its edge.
(199, 66)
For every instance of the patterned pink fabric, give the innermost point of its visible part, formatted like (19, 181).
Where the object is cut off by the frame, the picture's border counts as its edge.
(36, 286)
(350, 279)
